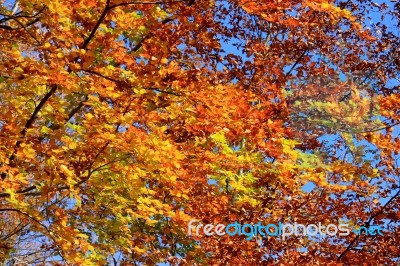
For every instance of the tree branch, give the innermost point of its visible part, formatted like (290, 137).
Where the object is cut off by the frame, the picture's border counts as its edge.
(50, 233)
(367, 224)
(165, 21)
(146, 3)
(125, 83)
(296, 63)
(96, 27)
(8, 17)
(29, 123)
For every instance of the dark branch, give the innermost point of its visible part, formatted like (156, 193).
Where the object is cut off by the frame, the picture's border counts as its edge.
(167, 92)
(101, 75)
(96, 27)
(296, 63)
(125, 83)
(16, 16)
(367, 224)
(29, 123)
(165, 21)
(77, 108)
(146, 3)
(23, 191)
(108, 7)
(49, 232)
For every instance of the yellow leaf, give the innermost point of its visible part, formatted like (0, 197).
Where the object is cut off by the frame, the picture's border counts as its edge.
(89, 116)
(72, 145)
(326, 5)
(29, 152)
(139, 250)
(82, 236)
(66, 171)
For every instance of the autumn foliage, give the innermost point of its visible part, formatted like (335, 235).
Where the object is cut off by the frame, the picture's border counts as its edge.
(122, 121)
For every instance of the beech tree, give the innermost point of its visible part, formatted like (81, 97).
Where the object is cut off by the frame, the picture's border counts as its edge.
(121, 121)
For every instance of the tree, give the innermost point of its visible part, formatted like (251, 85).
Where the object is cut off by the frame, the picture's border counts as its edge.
(122, 121)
